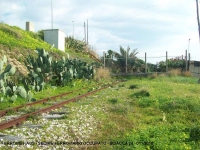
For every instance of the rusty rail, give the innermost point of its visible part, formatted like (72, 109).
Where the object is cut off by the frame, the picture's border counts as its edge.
(15, 109)
(20, 119)
(4, 112)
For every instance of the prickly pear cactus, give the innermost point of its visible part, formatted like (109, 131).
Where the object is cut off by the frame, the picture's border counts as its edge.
(39, 68)
(7, 87)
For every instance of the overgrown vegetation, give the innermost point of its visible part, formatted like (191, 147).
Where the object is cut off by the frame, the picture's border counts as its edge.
(172, 64)
(45, 68)
(117, 61)
(43, 71)
(161, 114)
(102, 73)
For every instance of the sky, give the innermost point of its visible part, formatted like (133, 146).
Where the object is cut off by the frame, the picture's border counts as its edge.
(151, 26)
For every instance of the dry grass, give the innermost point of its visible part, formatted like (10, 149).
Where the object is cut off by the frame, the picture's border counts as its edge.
(174, 72)
(154, 75)
(102, 73)
(11, 31)
(162, 75)
(187, 74)
(177, 72)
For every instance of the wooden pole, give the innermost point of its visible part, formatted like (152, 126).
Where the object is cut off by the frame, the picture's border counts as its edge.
(145, 62)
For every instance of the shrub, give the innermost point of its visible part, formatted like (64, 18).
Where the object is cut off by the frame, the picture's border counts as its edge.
(113, 101)
(195, 134)
(174, 72)
(133, 86)
(154, 75)
(142, 93)
(186, 74)
(102, 73)
(119, 109)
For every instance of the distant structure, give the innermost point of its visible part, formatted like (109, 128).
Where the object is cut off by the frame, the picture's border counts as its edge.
(29, 26)
(55, 37)
(194, 68)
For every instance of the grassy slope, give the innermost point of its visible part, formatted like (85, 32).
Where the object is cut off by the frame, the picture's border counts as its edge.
(162, 120)
(15, 39)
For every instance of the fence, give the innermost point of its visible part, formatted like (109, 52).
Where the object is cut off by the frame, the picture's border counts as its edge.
(189, 66)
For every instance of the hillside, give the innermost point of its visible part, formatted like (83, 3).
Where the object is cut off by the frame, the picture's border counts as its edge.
(17, 44)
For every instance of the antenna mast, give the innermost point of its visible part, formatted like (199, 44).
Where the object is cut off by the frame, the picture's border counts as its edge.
(197, 3)
(51, 15)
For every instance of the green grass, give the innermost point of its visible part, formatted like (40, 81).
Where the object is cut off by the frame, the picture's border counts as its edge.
(79, 55)
(166, 118)
(165, 115)
(48, 92)
(13, 36)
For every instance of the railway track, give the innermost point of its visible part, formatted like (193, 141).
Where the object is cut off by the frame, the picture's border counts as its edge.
(16, 109)
(20, 119)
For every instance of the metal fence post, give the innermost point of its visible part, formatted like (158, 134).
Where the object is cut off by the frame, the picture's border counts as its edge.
(166, 62)
(126, 61)
(104, 63)
(145, 62)
(186, 60)
(189, 62)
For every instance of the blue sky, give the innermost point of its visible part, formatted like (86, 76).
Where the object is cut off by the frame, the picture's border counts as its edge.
(153, 26)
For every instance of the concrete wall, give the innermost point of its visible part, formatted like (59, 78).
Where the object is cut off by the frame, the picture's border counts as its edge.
(194, 68)
(29, 26)
(56, 37)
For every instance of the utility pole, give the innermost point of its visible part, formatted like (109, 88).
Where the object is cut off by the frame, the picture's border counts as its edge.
(85, 33)
(51, 15)
(73, 29)
(197, 3)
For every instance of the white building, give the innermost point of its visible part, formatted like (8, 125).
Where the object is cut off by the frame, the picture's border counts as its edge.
(55, 37)
(29, 26)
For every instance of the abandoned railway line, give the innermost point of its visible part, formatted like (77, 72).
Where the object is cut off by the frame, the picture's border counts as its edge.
(15, 121)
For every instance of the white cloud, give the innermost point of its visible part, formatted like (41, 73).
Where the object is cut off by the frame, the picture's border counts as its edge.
(154, 26)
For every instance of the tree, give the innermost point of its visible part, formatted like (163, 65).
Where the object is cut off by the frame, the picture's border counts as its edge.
(117, 61)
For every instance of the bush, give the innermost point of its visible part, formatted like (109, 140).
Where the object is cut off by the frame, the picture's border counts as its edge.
(195, 134)
(102, 73)
(133, 86)
(174, 72)
(154, 75)
(113, 101)
(186, 74)
(142, 93)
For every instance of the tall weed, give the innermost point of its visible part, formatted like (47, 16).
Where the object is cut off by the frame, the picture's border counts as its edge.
(174, 72)
(102, 73)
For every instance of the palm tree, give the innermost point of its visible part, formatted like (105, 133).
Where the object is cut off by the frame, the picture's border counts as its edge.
(121, 58)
